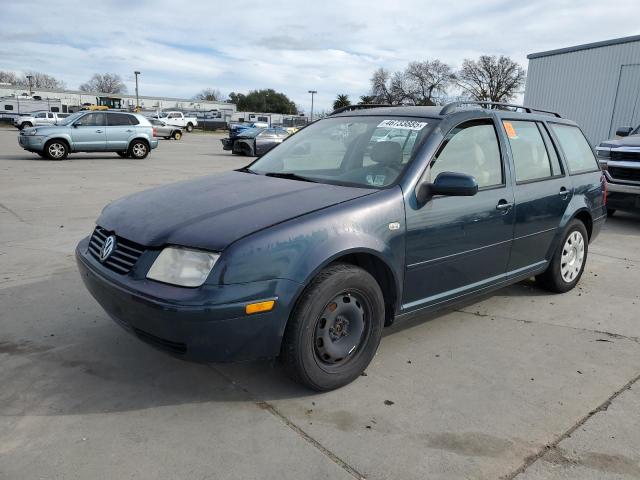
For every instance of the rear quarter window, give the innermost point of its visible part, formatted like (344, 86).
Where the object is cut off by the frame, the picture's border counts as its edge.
(576, 149)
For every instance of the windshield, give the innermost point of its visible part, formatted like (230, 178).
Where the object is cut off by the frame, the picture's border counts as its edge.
(250, 132)
(362, 151)
(71, 118)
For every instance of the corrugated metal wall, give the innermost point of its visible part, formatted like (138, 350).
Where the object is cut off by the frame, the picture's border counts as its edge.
(582, 85)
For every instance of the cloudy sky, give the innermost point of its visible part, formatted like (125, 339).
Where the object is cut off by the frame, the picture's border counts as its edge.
(328, 46)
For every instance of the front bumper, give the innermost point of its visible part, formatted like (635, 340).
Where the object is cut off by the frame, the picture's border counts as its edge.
(622, 195)
(31, 143)
(207, 324)
(227, 143)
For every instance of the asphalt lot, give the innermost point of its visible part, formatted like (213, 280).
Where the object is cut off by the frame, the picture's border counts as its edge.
(522, 384)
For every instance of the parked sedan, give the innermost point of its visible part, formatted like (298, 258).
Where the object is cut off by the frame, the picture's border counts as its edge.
(255, 141)
(165, 131)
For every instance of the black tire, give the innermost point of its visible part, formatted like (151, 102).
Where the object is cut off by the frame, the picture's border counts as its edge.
(306, 357)
(610, 212)
(25, 125)
(123, 154)
(189, 127)
(138, 150)
(552, 279)
(56, 149)
(177, 135)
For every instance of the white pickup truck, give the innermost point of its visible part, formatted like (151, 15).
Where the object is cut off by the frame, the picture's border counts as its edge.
(178, 119)
(38, 118)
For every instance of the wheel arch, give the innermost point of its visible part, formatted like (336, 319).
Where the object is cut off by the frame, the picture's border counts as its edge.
(370, 261)
(145, 140)
(62, 139)
(585, 217)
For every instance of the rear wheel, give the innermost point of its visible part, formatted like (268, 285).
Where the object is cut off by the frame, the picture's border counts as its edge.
(569, 260)
(610, 212)
(189, 127)
(334, 331)
(177, 135)
(25, 125)
(139, 149)
(56, 150)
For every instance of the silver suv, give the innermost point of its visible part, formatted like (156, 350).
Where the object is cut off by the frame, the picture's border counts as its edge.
(127, 134)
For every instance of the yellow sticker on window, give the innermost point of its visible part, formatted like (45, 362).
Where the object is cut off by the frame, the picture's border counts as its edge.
(511, 132)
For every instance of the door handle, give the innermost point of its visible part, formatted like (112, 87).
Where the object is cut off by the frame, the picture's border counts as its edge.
(503, 205)
(98, 131)
(129, 130)
(563, 192)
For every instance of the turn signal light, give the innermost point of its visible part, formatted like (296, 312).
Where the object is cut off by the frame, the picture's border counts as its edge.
(260, 307)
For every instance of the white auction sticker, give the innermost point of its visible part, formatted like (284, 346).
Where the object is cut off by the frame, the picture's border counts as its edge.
(402, 124)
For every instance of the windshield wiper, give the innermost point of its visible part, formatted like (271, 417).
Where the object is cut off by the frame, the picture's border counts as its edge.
(246, 170)
(290, 176)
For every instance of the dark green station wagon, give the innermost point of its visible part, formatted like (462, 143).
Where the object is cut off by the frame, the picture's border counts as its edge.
(362, 219)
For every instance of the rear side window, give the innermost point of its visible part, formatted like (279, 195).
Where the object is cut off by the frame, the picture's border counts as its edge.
(470, 148)
(577, 152)
(117, 119)
(530, 155)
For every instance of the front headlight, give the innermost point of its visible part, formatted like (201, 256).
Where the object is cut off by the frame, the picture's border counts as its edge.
(182, 266)
(32, 132)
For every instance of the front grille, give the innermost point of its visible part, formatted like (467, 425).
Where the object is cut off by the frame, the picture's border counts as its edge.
(124, 255)
(625, 156)
(629, 174)
(173, 347)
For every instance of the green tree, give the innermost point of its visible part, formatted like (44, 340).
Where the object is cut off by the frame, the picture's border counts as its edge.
(367, 100)
(265, 101)
(342, 100)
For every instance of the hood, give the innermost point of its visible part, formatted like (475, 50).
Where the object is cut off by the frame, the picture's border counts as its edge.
(213, 211)
(43, 129)
(630, 141)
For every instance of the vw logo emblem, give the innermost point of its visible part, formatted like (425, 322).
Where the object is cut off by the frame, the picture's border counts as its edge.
(108, 247)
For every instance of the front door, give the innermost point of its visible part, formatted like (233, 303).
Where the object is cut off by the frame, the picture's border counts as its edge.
(89, 133)
(456, 245)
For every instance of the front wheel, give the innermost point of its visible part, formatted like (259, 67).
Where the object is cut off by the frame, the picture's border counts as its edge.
(177, 135)
(335, 328)
(56, 150)
(139, 149)
(189, 127)
(569, 260)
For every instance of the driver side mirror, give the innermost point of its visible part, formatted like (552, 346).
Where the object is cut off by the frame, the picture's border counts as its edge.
(450, 184)
(624, 131)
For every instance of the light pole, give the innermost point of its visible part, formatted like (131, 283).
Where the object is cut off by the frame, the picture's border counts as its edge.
(137, 102)
(312, 92)
(29, 77)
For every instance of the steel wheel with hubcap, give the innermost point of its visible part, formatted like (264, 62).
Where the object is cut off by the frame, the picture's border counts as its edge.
(569, 259)
(56, 150)
(572, 256)
(335, 328)
(177, 135)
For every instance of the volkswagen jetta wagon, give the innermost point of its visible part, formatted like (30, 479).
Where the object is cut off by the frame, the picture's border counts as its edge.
(361, 219)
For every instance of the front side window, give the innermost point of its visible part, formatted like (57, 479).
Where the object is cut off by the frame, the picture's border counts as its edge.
(41, 115)
(471, 148)
(92, 120)
(367, 151)
(577, 152)
(530, 155)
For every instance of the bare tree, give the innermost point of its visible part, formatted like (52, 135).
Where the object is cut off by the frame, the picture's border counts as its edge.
(427, 80)
(8, 77)
(104, 83)
(380, 86)
(210, 94)
(491, 78)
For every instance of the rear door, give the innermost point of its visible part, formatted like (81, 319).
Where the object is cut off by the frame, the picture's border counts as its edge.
(542, 192)
(89, 133)
(457, 245)
(119, 131)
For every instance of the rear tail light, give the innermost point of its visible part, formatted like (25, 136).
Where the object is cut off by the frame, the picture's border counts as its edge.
(155, 132)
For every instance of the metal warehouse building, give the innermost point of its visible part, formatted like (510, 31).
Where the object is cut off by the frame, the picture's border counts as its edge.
(596, 84)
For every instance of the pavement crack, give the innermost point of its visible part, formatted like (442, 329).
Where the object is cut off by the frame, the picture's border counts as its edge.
(4, 207)
(304, 435)
(530, 460)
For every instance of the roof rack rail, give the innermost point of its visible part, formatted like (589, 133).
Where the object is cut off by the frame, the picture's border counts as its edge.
(364, 106)
(449, 107)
